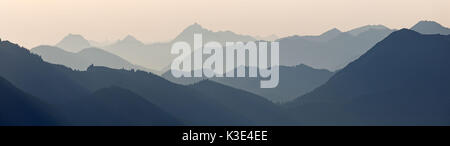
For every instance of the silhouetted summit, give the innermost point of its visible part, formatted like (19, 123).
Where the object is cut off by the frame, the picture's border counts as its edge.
(73, 43)
(127, 42)
(430, 27)
(157, 56)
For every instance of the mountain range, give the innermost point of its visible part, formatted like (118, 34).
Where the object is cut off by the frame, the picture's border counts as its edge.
(157, 56)
(331, 50)
(400, 80)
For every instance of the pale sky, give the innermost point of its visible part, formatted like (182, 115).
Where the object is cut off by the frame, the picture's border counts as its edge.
(34, 22)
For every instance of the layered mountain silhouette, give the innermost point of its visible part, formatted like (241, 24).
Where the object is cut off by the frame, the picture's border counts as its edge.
(294, 82)
(430, 27)
(19, 108)
(32, 75)
(84, 58)
(331, 50)
(77, 94)
(73, 43)
(402, 80)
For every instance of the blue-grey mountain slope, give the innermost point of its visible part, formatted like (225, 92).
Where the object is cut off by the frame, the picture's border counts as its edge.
(115, 106)
(73, 43)
(192, 107)
(402, 80)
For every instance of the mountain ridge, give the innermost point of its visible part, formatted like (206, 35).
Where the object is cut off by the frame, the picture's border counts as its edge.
(374, 89)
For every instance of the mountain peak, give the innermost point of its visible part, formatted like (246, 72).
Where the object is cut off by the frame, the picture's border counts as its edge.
(71, 36)
(129, 38)
(333, 31)
(129, 41)
(430, 27)
(194, 28)
(73, 43)
(329, 35)
(428, 23)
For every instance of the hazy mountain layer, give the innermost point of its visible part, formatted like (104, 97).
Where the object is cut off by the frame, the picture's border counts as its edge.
(157, 56)
(73, 43)
(84, 58)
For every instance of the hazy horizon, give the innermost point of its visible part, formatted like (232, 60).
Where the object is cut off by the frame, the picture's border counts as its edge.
(31, 23)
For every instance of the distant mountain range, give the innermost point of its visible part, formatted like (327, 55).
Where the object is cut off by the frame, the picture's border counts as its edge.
(83, 59)
(331, 50)
(157, 56)
(403, 80)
